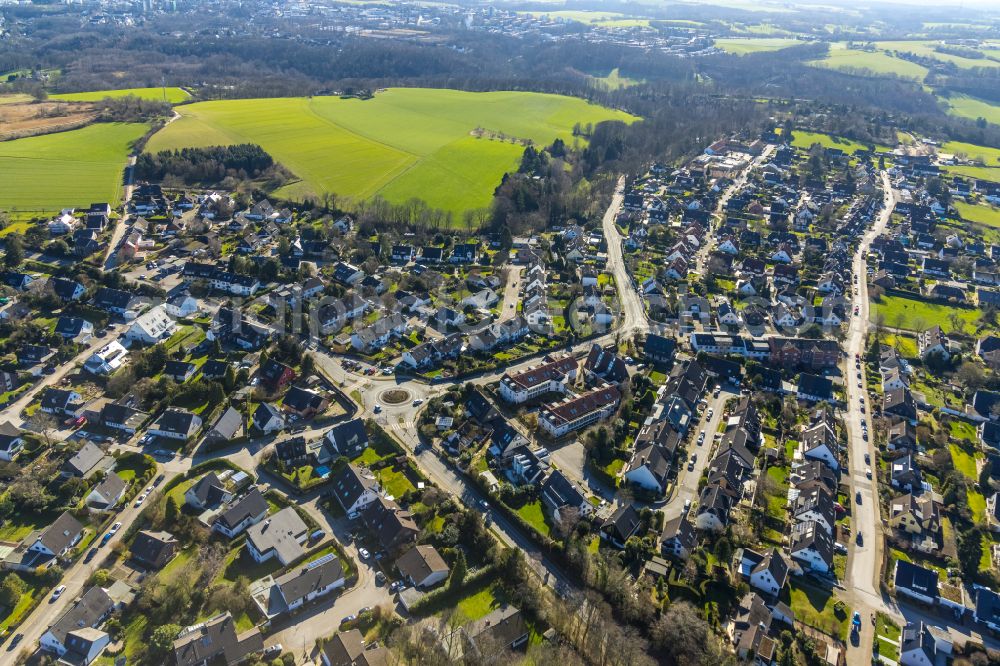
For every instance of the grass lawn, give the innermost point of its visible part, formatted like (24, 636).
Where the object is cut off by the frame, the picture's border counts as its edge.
(962, 430)
(394, 482)
(74, 168)
(479, 605)
(925, 49)
(914, 315)
(23, 523)
(970, 107)
(742, 46)
(875, 62)
(988, 156)
(904, 344)
(172, 95)
(24, 603)
(805, 140)
(613, 81)
(403, 143)
(964, 461)
(977, 504)
(979, 213)
(533, 514)
(814, 607)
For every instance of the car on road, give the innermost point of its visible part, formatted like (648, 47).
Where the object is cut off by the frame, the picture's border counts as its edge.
(857, 497)
(701, 437)
(56, 593)
(418, 402)
(687, 505)
(864, 435)
(868, 458)
(717, 391)
(273, 650)
(164, 453)
(90, 554)
(158, 480)
(115, 528)
(348, 618)
(106, 538)
(14, 641)
(139, 500)
(377, 409)
(711, 412)
(856, 622)
(859, 539)
(364, 553)
(364, 610)
(379, 577)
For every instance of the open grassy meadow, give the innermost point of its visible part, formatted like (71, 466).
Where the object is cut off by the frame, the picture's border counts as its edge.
(802, 139)
(877, 62)
(741, 46)
(925, 49)
(981, 214)
(613, 81)
(65, 169)
(970, 107)
(913, 315)
(988, 156)
(403, 143)
(172, 95)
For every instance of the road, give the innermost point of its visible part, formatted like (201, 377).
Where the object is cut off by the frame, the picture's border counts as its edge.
(863, 561)
(75, 579)
(687, 480)
(633, 312)
(12, 412)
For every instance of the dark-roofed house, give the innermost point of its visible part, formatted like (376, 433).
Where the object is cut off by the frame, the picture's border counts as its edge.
(275, 374)
(208, 492)
(304, 402)
(621, 525)
(348, 438)
(605, 365)
(770, 573)
(122, 417)
(922, 644)
(241, 514)
(987, 610)
(899, 402)
(176, 423)
(267, 418)
(58, 538)
(422, 566)
(916, 582)
(814, 388)
(391, 526)
(304, 584)
(679, 538)
(280, 536)
(93, 607)
(812, 546)
(658, 349)
(75, 329)
(11, 441)
(650, 465)
(215, 640)
(59, 401)
(180, 371)
(355, 488)
(559, 493)
(84, 646)
(67, 290)
(154, 549)
(986, 405)
(112, 300)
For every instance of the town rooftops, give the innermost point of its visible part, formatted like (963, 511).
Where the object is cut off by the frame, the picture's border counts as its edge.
(279, 533)
(552, 370)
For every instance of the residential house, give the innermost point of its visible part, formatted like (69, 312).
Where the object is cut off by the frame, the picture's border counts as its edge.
(348, 438)
(241, 514)
(215, 641)
(107, 494)
(267, 418)
(579, 412)
(154, 549)
(422, 566)
(916, 582)
(280, 536)
(176, 423)
(87, 613)
(355, 488)
(152, 326)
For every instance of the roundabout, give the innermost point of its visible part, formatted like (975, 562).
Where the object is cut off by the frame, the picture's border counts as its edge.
(394, 396)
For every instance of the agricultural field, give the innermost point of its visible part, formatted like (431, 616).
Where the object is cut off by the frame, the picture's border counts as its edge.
(75, 168)
(172, 95)
(877, 62)
(970, 107)
(403, 143)
(925, 49)
(741, 46)
(983, 173)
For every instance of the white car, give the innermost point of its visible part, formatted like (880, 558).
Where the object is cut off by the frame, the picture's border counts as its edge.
(56, 593)
(418, 402)
(868, 472)
(711, 412)
(363, 553)
(114, 528)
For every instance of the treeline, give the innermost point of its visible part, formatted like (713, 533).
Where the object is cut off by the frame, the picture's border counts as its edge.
(205, 166)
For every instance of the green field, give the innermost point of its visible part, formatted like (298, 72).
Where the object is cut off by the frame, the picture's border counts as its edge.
(988, 156)
(613, 81)
(983, 173)
(802, 139)
(913, 315)
(172, 95)
(403, 143)
(66, 169)
(877, 62)
(970, 107)
(981, 214)
(741, 46)
(925, 49)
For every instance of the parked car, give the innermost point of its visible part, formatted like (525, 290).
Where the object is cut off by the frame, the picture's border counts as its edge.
(273, 650)
(365, 554)
(115, 528)
(56, 593)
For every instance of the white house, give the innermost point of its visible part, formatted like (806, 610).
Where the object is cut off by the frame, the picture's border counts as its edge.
(176, 424)
(107, 359)
(151, 327)
(279, 536)
(181, 306)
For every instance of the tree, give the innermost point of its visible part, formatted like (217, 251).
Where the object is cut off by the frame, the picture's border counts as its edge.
(970, 551)
(971, 376)
(161, 641)
(14, 254)
(458, 571)
(11, 590)
(308, 365)
(171, 511)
